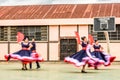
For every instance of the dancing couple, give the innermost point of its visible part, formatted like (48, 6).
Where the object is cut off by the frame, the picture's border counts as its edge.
(86, 56)
(27, 54)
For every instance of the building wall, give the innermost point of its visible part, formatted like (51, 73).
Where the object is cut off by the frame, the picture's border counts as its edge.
(3, 50)
(14, 47)
(114, 49)
(83, 31)
(53, 43)
(68, 31)
(51, 49)
(42, 49)
(53, 33)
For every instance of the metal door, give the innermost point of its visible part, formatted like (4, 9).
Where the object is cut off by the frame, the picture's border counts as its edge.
(67, 47)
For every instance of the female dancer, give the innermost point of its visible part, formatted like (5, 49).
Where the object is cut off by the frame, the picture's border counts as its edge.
(81, 58)
(23, 54)
(35, 54)
(104, 58)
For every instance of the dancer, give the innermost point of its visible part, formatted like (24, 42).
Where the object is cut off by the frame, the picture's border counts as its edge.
(104, 58)
(23, 54)
(35, 54)
(81, 58)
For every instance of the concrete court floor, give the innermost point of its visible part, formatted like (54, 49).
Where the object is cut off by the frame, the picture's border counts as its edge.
(57, 71)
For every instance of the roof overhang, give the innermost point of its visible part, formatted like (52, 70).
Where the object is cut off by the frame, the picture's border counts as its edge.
(71, 21)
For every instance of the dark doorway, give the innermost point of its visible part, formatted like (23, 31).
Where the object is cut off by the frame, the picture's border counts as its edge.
(67, 47)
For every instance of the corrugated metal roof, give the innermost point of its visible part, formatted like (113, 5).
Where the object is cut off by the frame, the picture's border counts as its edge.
(38, 2)
(59, 11)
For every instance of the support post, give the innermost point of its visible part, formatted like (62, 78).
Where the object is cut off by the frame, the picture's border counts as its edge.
(9, 34)
(108, 41)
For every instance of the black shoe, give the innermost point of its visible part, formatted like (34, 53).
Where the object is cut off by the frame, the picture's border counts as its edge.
(23, 69)
(38, 67)
(83, 71)
(30, 65)
(26, 68)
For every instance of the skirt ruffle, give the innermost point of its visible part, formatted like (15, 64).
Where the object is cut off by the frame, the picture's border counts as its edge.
(103, 59)
(79, 59)
(24, 56)
(109, 59)
(37, 57)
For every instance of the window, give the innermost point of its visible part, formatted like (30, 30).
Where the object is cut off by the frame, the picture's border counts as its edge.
(3, 33)
(100, 35)
(40, 33)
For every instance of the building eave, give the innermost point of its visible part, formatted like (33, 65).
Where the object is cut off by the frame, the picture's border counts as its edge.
(73, 21)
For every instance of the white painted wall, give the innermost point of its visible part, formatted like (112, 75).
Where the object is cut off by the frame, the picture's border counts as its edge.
(14, 47)
(53, 51)
(41, 48)
(114, 49)
(67, 31)
(3, 50)
(63, 21)
(81, 21)
(53, 33)
(83, 31)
